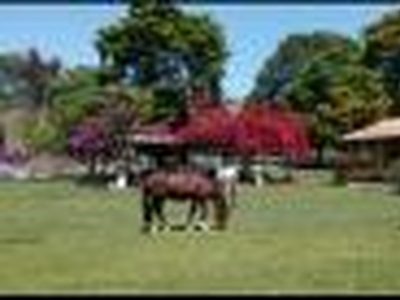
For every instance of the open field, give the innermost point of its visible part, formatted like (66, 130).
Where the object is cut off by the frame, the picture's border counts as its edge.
(301, 238)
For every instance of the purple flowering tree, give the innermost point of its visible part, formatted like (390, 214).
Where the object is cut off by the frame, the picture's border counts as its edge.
(102, 137)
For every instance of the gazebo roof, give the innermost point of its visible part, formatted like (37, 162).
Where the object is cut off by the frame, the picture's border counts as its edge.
(385, 129)
(156, 134)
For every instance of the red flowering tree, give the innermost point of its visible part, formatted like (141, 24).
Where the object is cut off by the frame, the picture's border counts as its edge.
(257, 129)
(257, 132)
(269, 130)
(294, 135)
(212, 126)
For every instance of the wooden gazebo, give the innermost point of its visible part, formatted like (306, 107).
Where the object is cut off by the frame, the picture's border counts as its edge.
(159, 143)
(171, 141)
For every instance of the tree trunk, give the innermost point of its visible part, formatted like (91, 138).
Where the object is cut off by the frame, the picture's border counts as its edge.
(319, 159)
(288, 167)
(92, 167)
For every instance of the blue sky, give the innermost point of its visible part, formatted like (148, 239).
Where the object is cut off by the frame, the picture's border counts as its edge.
(253, 31)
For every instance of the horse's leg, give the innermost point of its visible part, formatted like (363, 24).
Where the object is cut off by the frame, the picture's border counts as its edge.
(159, 209)
(202, 224)
(147, 212)
(192, 213)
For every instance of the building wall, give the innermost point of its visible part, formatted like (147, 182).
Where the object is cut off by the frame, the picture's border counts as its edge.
(370, 160)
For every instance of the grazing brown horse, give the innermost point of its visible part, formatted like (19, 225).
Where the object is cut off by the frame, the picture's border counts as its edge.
(186, 185)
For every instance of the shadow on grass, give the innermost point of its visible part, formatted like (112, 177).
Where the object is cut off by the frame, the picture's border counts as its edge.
(20, 240)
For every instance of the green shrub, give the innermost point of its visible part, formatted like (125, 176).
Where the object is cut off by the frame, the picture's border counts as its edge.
(40, 135)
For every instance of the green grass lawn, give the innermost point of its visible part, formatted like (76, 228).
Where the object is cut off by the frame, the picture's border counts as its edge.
(300, 238)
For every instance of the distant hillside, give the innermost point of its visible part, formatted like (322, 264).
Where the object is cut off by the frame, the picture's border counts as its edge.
(43, 164)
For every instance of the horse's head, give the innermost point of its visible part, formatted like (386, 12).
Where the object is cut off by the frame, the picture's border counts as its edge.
(222, 210)
(228, 178)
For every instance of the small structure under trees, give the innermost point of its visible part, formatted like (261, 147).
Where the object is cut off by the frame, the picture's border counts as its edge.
(159, 142)
(369, 153)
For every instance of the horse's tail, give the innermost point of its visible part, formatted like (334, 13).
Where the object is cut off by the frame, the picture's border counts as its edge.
(147, 208)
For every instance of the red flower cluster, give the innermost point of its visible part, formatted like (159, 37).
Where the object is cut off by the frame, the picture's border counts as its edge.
(211, 126)
(255, 129)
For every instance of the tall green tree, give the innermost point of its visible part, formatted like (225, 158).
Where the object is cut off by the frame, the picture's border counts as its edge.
(74, 94)
(25, 78)
(159, 46)
(11, 86)
(71, 96)
(292, 55)
(338, 96)
(323, 75)
(382, 52)
(78, 92)
(38, 75)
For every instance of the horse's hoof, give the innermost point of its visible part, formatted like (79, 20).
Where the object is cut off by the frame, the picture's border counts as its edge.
(154, 229)
(179, 227)
(218, 228)
(145, 229)
(196, 227)
(162, 228)
(201, 227)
